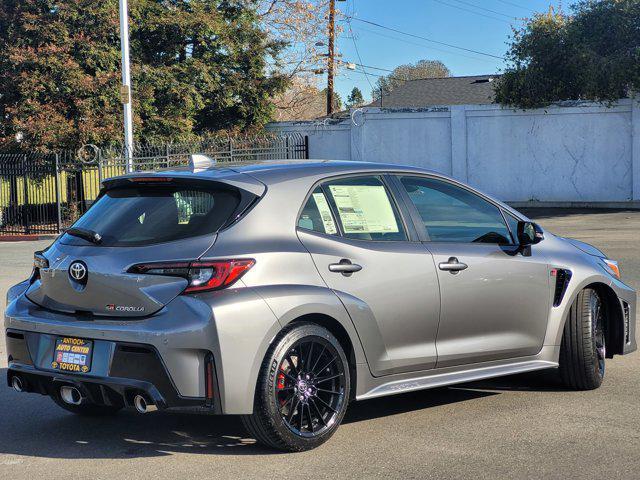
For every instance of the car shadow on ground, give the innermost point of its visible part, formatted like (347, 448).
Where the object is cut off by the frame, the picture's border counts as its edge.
(32, 425)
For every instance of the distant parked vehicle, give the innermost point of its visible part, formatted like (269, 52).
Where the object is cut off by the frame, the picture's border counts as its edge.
(282, 291)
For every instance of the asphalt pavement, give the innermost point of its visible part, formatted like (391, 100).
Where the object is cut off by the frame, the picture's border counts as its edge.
(523, 426)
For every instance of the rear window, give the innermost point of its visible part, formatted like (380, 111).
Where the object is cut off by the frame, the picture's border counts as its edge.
(146, 215)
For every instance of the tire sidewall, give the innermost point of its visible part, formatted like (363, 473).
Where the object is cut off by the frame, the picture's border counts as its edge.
(589, 324)
(268, 385)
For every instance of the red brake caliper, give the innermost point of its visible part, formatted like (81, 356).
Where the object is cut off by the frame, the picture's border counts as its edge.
(280, 385)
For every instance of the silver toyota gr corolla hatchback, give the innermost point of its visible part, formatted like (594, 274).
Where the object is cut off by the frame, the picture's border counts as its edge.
(281, 291)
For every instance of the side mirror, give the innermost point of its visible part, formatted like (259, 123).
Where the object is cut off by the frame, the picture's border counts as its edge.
(529, 233)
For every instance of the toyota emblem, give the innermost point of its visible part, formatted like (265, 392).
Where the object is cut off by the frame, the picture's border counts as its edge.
(78, 272)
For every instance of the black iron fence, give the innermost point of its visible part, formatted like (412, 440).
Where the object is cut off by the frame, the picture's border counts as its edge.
(45, 193)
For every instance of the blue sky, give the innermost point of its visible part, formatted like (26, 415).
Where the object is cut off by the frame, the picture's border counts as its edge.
(436, 19)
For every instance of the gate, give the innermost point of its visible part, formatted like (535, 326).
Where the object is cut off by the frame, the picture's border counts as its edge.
(46, 193)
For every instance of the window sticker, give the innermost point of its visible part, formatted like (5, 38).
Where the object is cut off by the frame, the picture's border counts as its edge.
(364, 208)
(325, 213)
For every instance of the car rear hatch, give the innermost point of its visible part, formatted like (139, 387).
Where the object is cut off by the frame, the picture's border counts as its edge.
(138, 220)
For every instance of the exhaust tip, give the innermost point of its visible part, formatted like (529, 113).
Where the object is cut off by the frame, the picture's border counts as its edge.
(70, 395)
(142, 406)
(16, 383)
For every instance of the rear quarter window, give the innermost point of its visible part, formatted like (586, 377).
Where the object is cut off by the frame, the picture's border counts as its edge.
(316, 214)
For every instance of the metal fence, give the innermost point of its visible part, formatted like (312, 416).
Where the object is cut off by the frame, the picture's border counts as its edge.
(45, 193)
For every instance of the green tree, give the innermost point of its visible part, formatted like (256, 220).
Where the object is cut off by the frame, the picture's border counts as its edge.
(593, 54)
(58, 72)
(415, 71)
(198, 66)
(337, 100)
(355, 98)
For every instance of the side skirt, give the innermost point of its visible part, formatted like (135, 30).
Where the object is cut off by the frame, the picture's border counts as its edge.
(391, 385)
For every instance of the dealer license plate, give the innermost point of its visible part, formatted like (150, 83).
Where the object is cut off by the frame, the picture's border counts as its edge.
(72, 355)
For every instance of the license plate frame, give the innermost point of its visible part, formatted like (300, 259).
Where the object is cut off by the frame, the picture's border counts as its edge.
(72, 355)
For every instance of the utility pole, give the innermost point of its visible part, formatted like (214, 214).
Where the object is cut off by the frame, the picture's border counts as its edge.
(331, 57)
(125, 89)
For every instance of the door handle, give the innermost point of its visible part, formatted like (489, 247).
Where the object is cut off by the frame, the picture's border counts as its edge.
(345, 267)
(453, 265)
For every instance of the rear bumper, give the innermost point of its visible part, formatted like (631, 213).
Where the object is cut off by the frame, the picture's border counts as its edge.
(120, 371)
(234, 326)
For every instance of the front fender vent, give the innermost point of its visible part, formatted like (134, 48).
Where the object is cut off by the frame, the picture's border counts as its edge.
(563, 277)
(627, 324)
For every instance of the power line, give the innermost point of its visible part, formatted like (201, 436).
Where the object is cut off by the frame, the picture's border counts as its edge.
(423, 38)
(515, 5)
(392, 77)
(355, 46)
(399, 39)
(487, 9)
(373, 68)
(470, 11)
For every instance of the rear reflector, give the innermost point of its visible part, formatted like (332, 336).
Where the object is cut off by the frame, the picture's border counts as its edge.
(209, 379)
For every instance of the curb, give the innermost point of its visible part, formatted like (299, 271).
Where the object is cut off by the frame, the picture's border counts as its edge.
(27, 238)
(630, 205)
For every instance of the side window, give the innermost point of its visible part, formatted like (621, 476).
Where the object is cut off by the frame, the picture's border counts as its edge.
(453, 214)
(316, 214)
(365, 209)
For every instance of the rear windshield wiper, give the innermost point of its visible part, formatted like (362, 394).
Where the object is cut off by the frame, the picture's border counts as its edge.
(86, 234)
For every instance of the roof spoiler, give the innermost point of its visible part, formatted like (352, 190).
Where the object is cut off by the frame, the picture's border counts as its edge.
(199, 162)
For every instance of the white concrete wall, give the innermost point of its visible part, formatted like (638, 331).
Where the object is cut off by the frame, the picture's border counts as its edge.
(326, 141)
(581, 153)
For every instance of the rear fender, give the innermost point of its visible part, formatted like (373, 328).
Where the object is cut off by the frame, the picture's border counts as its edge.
(291, 302)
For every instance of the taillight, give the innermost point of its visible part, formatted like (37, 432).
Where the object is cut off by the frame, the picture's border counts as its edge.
(202, 276)
(155, 179)
(39, 261)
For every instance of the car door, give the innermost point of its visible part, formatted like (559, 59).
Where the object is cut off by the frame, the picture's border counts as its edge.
(494, 296)
(363, 250)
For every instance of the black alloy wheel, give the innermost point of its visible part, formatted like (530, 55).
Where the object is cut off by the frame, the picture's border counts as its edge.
(302, 391)
(310, 387)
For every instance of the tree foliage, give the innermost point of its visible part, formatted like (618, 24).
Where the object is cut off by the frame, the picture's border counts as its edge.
(355, 98)
(302, 100)
(337, 100)
(593, 54)
(198, 66)
(302, 26)
(415, 71)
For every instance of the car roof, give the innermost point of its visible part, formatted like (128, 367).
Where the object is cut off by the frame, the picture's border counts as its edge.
(270, 172)
(311, 168)
(274, 171)
(315, 164)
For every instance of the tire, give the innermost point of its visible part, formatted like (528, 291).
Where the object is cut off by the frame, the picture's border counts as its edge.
(583, 348)
(86, 409)
(299, 404)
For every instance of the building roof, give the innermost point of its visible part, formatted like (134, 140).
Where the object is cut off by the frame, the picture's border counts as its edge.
(473, 90)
